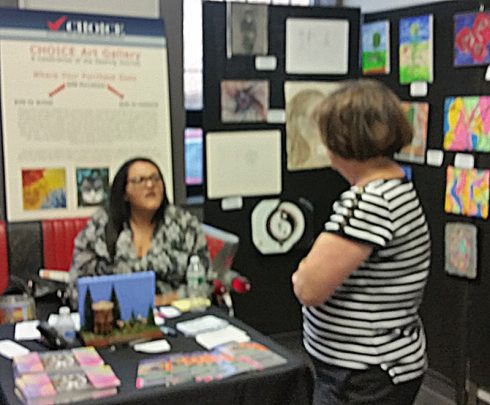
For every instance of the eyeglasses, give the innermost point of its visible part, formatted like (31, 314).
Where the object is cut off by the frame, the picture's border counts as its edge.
(141, 181)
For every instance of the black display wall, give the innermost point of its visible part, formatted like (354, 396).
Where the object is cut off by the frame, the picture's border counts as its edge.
(455, 310)
(270, 306)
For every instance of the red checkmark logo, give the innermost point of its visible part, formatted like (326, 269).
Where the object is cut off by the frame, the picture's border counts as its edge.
(55, 26)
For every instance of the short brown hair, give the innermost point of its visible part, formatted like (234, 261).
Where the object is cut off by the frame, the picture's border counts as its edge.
(363, 119)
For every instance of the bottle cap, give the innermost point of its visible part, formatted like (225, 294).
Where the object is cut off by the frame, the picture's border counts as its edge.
(194, 259)
(64, 311)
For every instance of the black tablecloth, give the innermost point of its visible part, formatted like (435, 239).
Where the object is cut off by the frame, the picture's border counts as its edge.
(291, 383)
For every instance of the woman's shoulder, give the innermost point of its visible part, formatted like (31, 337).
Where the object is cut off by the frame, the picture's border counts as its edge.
(179, 214)
(99, 217)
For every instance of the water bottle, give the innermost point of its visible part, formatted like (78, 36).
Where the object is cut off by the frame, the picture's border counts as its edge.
(196, 283)
(65, 325)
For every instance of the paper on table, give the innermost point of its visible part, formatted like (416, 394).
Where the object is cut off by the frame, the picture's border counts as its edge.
(27, 330)
(155, 346)
(169, 312)
(202, 324)
(10, 349)
(210, 340)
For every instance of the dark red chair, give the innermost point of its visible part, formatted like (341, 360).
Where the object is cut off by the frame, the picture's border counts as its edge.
(58, 241)
(4, 262)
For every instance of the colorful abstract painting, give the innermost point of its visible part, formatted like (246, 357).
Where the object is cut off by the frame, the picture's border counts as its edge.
(461, 249)
(92, 186)
(43, 188)
(416, 49)
(467, 192)
(467, 123)
(244, 100)
(472, 39)
(376, 48)
(418, 115)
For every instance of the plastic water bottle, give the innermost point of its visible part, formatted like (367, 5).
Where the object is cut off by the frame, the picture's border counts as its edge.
(65, 325)
(196, 283)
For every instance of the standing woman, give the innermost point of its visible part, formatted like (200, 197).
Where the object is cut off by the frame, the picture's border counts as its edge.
(139, 231)
(362, 282)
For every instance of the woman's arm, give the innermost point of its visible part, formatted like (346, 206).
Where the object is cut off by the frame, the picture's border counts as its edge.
(330, 261)
(85, 260)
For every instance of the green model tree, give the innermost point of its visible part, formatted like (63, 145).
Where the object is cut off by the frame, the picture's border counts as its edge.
(116, 309)
(88, 314)
(150, 319)
(132, 320)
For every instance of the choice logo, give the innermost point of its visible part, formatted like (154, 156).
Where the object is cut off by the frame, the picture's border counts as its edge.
(55, 26)
(86, 27)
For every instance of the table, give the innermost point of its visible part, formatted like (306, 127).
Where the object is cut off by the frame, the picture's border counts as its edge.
(291, 383)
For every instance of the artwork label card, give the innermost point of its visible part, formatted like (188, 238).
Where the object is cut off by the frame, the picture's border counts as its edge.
(435, 157)
(416, 55)
(461, 249)
(317, 46)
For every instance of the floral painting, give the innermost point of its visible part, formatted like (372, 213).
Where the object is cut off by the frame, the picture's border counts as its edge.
(472, 39)
(43, 188)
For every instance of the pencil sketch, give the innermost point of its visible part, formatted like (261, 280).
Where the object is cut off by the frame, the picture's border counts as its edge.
(247, 29)
(305, 149)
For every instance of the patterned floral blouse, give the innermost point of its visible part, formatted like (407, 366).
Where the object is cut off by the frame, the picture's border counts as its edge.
(179, 236)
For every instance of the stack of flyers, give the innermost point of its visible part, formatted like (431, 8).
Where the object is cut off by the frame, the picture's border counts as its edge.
(73, 359)
(66, 386)
(203, 366)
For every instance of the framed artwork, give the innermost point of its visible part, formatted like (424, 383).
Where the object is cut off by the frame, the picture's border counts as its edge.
(375, 40)
(472, 39)
(467, 123)
(418, 115)
(244, 100)
(317, 46)
(460, 249)
(247, 30)
(243, 163)
(416, 58)
(467, 192)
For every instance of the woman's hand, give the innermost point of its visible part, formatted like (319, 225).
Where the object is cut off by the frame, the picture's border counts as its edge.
(166, 299)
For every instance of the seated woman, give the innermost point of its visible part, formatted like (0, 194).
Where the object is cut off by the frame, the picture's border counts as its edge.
(139, 231)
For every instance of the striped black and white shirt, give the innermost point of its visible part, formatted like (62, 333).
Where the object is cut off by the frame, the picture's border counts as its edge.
(372, 319)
